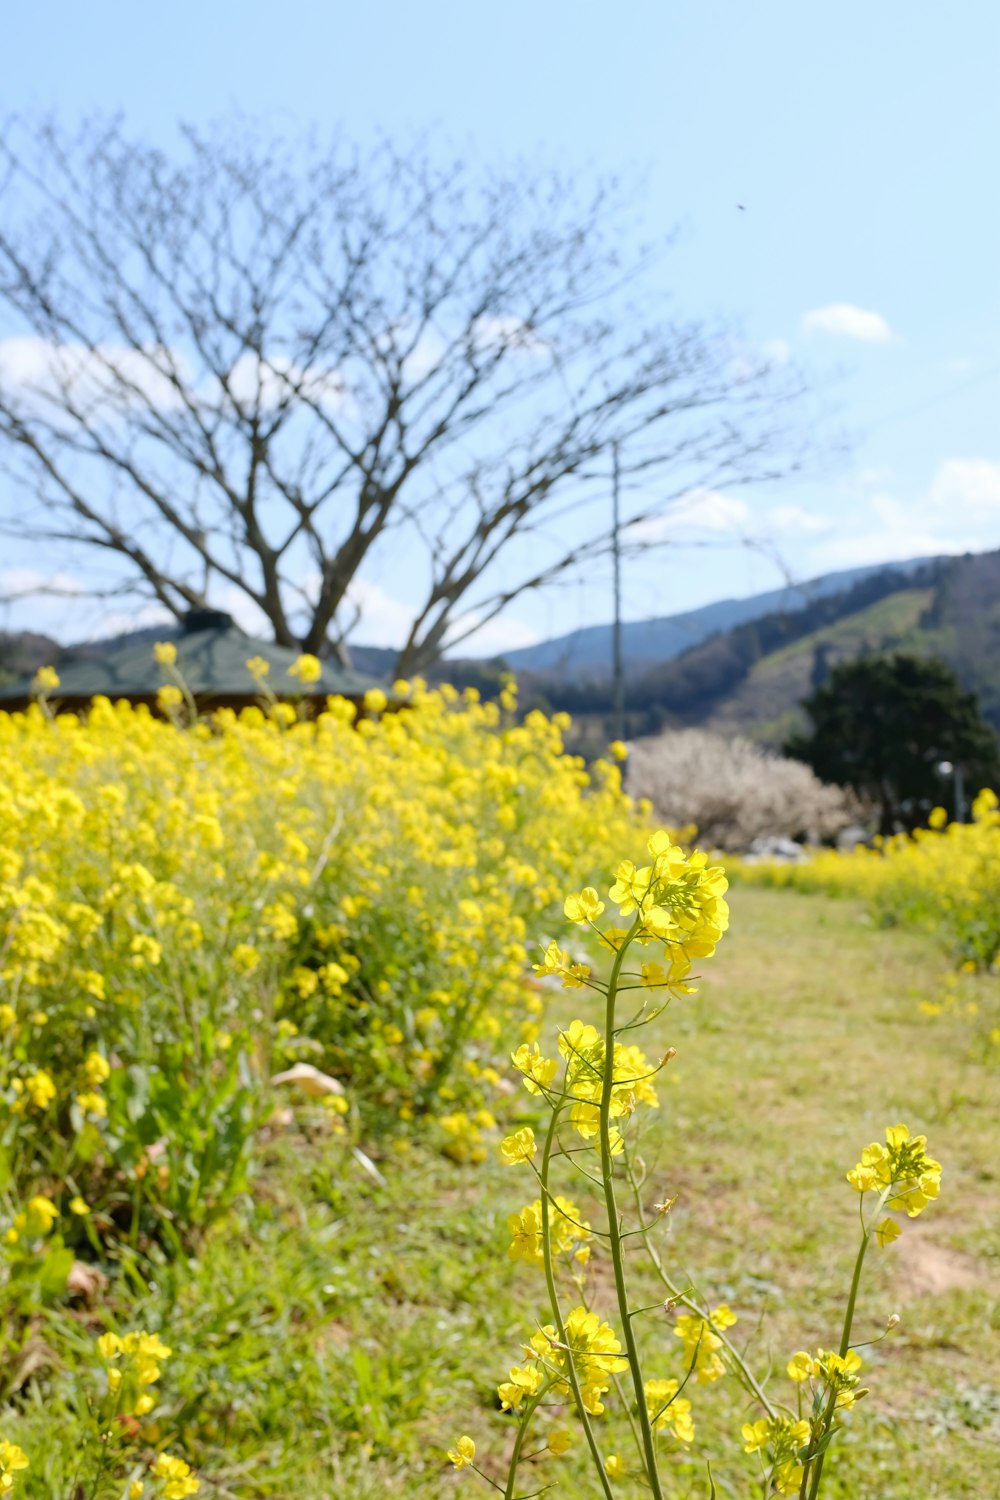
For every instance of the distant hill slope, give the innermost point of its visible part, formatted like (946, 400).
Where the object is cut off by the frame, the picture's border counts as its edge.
(962, 627)
(22, 652)
(645, 643)
(751, 680)
(765, 705)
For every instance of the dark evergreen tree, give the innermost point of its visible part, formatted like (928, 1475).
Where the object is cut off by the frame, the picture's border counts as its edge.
(884, 725)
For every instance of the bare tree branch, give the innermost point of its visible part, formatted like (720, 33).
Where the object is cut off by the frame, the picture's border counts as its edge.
(258, 364)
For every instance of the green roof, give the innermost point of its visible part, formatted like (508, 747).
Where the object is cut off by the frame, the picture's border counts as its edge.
(211, 654)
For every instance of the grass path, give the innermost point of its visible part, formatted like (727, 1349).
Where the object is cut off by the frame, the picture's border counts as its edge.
(338, 1341)
(806, 1041)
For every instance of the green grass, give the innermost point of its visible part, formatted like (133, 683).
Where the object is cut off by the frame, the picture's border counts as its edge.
(334, 1338)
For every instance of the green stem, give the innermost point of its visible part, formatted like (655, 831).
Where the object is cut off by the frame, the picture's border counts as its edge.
(845, 1338)
(845, 1344)
(515, 1456)
(550, 1282)
(617, 1256)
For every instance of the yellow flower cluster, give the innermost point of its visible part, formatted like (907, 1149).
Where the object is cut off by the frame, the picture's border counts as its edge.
(702, 1344)
(33, 1222)
(592, 1347)
(568, 1231)
(786, 1439)
(308, 669)
(678, 899)
(583, 1051)
(162, 889)
(901, 1169)
(133, 1364)
(594, 1086)
(837, 1372)
(669, 1411)
(178, 1479)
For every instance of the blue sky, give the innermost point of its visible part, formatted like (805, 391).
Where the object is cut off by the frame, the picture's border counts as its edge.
(860, 139)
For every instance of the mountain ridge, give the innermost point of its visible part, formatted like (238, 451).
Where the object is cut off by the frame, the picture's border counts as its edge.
(588, 649)
(752, 679)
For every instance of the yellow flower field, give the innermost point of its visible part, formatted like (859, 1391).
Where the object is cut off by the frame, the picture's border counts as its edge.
(277, 996)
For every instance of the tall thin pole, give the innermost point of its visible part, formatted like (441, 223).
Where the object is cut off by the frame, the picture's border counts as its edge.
(617, 673)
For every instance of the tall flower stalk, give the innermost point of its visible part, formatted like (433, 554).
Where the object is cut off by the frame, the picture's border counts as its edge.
(672, 912)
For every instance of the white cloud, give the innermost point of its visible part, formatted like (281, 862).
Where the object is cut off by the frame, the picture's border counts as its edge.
(966, 490)
(958, 511)
(796, 520)
(889, 544)
(384, 621)
(492, 333)
(20, 582)
(269, 381)
(874, 475)
(699, 510)
(120, 378)
(496, 637)
(848, 321)
(41, 370)
(246, 614)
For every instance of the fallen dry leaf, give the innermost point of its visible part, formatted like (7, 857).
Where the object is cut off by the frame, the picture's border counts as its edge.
(310, 1081)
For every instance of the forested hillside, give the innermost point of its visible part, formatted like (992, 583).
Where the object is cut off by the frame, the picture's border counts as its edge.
(751, 679)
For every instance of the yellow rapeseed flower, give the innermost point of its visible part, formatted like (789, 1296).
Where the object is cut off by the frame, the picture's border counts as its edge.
(802, 1366)
(463, 1453)
(97, 1069)
(586, 907)
(40, 1089)
(668, 1410)
(523, 1381)
(42, 1214)
(521, 1146)
(306, 668)
(177, 1476)
(12, 1460)
(701, 1343)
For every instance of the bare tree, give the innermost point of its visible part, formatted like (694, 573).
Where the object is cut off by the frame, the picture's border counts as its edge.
(255, 365)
